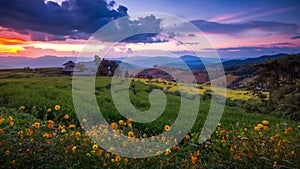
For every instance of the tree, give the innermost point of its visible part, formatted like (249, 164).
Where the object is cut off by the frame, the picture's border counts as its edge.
(281, 77)
(126, 74)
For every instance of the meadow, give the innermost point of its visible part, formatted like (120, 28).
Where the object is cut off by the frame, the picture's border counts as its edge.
(39, 128)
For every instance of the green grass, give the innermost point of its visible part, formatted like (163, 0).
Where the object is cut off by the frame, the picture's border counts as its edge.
(40, 91)
(43, 92)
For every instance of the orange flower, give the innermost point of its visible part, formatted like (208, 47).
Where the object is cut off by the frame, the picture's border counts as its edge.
(114, 125)
(194, 159)
(104, 165)
(1, 131)
(57, 107)
(66, 116)
(167, 127)
(118, 158)
(49, 135)
(71, 126)
(77, 134)
(187, 137)
(289, 128)
(50, 125)
(175, 147)
(266, 127)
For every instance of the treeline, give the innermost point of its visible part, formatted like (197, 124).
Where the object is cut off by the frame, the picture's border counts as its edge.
(281, 77)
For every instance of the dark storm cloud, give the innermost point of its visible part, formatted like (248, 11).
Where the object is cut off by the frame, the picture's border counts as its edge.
(235, 28)
(295, 37)
(75, 19)
(144, 29)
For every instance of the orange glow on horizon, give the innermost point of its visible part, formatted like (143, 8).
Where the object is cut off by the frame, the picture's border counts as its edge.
(11, 41)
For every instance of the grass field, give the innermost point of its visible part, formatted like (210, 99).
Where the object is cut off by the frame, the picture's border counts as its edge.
(241, 139)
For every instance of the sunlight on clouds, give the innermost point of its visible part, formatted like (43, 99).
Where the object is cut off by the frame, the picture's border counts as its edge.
(12, 49)
(68, 47)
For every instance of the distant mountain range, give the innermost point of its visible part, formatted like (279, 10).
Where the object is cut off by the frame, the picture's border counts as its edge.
(240, 62)
(131, 63)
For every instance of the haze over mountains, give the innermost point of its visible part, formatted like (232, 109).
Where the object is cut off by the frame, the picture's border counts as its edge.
(131, 63)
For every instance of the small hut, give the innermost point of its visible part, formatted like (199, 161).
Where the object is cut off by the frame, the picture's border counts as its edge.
(69, 67)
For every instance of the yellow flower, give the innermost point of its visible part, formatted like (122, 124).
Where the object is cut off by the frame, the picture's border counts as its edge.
(11, 123)
(265, 122)
(95, 146)
(57, 107)
(260, 126)
(84, 120)
(121, 122)
(66, 116)
(130, 134)
(167, 127)
(37, 125)
(28, 131)
(13, 162)
(129, 120)
(10, 118)
(292, 152)
(22, 108)
(168, 151)
(88, 154)
(49, 110)
(274, 164)
(74, 148)
(118, 158)
(7, 152)
(125, 160)
(2, 120)
(256, 128)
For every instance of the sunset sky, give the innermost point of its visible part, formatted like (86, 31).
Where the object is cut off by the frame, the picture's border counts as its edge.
(237, 29)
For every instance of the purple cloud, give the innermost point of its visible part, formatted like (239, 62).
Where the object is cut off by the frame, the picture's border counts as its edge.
(236, 28)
